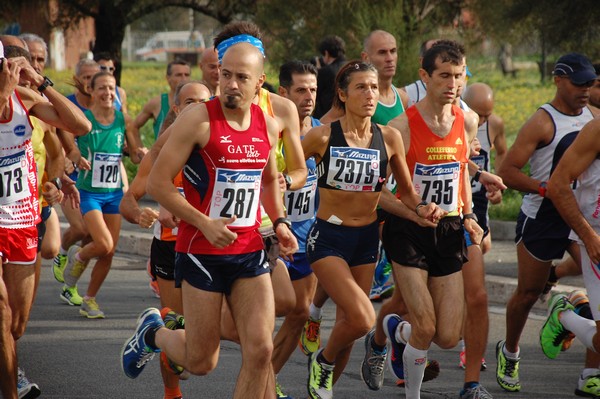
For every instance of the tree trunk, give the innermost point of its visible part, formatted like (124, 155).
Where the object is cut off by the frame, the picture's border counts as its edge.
(544, 51)
(110, 30)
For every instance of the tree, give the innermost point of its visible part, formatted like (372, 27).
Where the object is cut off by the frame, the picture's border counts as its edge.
(111, 17)
(293, 28)
(555, 26)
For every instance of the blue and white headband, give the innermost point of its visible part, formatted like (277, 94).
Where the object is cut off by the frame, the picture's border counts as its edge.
(225, 44)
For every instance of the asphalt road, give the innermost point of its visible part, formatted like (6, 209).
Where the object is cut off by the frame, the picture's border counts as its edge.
(72, 357)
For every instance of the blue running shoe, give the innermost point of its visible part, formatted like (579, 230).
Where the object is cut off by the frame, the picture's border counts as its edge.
(136, 353)
(395, 364)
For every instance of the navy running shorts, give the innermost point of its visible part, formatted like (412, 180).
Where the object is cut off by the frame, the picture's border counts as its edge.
(299, 268)
(441, 250)
(217, 273)
(41, 226)
(356, 245)
(545, 239)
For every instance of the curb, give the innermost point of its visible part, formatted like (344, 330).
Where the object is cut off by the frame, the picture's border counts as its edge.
(499, 288)
(503, 230)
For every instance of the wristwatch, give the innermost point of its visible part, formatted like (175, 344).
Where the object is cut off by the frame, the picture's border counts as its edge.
(419, 206)
(288, 181)
(47, 82)
(477, 175)
(542, 189)
(470, 216)
(57, 182)
(279, 221)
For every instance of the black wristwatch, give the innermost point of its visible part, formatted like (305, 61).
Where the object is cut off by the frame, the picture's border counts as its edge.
(477, 175)
(279, 221)
(47, 82)
(420, 205)
(288, 181)
(470, 216)
(57, 182)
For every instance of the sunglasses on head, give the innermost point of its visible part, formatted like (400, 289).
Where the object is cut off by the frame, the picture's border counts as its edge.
(107, 68)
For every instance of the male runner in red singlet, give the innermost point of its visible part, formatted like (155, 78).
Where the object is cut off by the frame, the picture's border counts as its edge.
(228, 144)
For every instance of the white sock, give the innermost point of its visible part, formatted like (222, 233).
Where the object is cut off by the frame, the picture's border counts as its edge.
(403, 332)
(583, 328)
(512, 355)
(314, 312)
(62, 251)
(415, 361)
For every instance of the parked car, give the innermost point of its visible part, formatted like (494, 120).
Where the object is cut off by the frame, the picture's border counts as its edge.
(161, 44)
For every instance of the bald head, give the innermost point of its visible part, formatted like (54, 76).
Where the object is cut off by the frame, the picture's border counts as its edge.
(376, 36)
(380, 50)
(209, 65)
(241, 75)
(480, 98)
(189, 93)
(245, 54)
(10, 40)
(209, 55)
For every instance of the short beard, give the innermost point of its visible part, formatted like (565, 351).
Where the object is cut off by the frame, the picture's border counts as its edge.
(231, 102)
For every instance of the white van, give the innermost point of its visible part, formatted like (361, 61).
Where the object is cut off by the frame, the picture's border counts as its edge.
(158, 47)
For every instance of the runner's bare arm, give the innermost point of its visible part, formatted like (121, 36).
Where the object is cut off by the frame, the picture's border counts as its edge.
(538, 130)
(578, 157)
(129, 207)
(295, 163)
(58, 111)
(190, 130)
(271, 195)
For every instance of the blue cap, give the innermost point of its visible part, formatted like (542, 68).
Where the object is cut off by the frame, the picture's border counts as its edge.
(576, 66)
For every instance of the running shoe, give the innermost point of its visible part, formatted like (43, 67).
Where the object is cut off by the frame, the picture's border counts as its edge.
(153, 284)
(320, 378)
(475, 392)
(382, 284)
(550, 284)
(25, 388)
(577, 298)
(462, 361)
(375, 294)
(390, 323)
(589, 387)
(90, 309)
(432, 371)
(179, 371)
(74, 268)
(388, 289)
(135, 352)
(58, 267)
(172, 319)
(279, 392)
(507, 370)
(310, 339)
(553, 332)
(381, 292)
(71, 296)
(372, 366)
